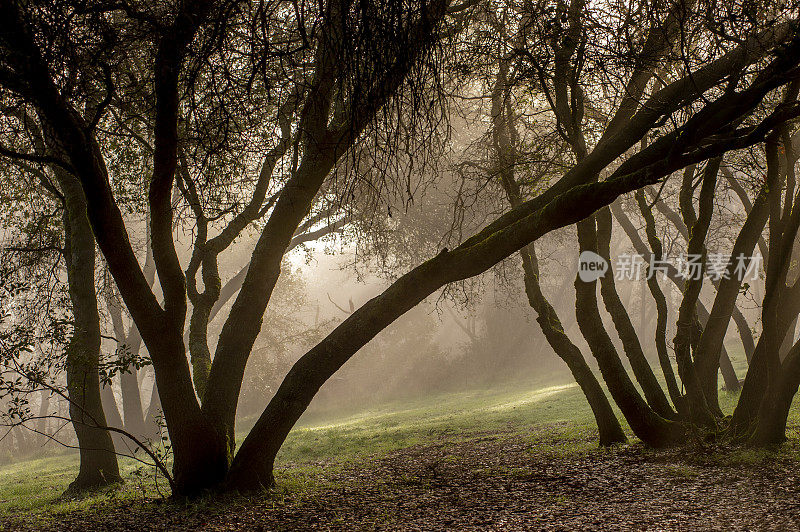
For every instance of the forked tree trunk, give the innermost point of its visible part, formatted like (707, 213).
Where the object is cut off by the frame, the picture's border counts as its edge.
(128, 345)
(645, 423)
(742, 326)
(201, 453)
(504, 135)
(687, 332)
(765, 387)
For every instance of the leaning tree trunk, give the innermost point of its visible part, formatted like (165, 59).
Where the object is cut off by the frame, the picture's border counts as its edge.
(742, 326)
(707, 358)
(686, 334)
(662, 306)
(504, 135)
(645, 423)
(625, 330)
(608, 426)
(98, 463)
(252, 467)
(781, 304)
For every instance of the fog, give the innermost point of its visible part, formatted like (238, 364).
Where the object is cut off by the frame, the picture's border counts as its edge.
(227, 227)
(480, 334)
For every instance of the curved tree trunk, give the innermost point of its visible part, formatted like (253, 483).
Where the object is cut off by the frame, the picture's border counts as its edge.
(609, 429)
(504, 134)
(697, 404)
(662, 307)
(766, 398)
(630, 340)
(252, 465)
(645, 423)
(742, 326)
(98, 464)
(707, 359)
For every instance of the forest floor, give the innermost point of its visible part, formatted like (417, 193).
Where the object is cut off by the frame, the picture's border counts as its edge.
(492, 460)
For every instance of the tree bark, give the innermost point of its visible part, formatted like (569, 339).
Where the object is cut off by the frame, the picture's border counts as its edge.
(252, 466)
(742, 326)
(771, 388)
(194, 441)
(645, 423)
(707, 359)
(630, 340)
(774, 410)
(503, 134)
(697, 404)
(609, 429)
(755, 383)
(322, 146)
(98, 463)
(662, 308)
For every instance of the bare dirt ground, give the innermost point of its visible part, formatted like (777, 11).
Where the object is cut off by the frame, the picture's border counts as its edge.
(499, 482)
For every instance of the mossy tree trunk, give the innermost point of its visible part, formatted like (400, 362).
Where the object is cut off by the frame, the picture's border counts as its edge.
(98, 461)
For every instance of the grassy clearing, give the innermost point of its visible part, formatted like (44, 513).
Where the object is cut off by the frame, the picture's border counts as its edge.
(395, 425)
(557, 412)
(35, 486)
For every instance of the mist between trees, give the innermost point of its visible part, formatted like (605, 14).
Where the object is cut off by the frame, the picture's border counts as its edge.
(180, 180)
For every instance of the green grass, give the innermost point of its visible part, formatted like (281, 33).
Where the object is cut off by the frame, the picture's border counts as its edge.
(35, 486)
(554, 414)
(396, 425)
